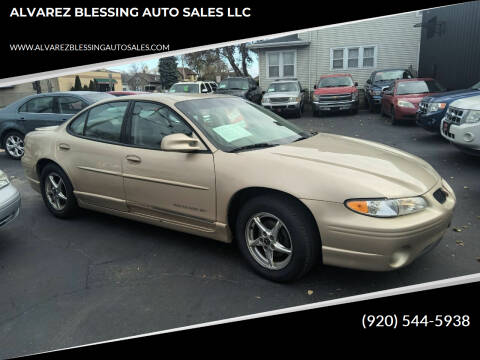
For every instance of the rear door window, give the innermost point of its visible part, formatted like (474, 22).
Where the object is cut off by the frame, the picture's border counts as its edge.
(39, 105)
(105, 121)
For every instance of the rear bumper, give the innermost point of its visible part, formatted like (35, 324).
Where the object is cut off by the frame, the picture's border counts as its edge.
(9, 204)
(361, 242)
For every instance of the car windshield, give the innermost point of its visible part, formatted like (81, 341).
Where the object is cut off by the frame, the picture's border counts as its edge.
(335, 81)
(184, 88)
(231, 123)
(476, 86)
(419, 87)
(97, 96)
(283, 87)
(234, 84)
(391, 75)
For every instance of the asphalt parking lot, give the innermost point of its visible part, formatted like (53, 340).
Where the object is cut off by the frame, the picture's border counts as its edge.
(97, 277)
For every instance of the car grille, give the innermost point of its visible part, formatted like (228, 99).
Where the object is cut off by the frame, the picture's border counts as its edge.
(279, 99)
(335, 97)
(440, 195)
(422, 108)
(454, 115)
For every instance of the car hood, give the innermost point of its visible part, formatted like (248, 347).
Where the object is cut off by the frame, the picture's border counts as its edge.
(379, 85)
(413, 98)
(336, 168)
(469, 103)
(335, 90)
(281, 94)
(448, 97)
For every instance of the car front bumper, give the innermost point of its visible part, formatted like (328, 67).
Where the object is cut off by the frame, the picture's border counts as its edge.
(335, 105)
(282, 107)
(405, 113)
(430, 122)
(9, 204)
(362, 242)
(463, 135)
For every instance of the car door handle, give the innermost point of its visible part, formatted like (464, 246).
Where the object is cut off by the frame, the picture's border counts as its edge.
(64, 147)
(133, 158)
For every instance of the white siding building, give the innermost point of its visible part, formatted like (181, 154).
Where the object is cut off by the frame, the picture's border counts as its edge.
(357, 48)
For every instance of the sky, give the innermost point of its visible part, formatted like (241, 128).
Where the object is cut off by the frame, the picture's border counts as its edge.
(153, 64)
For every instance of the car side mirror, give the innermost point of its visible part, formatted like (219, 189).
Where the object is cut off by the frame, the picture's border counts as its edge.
(263, 92)
(369, 81)
(180, 142)
(303, 90)
(356, 84)
(314, 86)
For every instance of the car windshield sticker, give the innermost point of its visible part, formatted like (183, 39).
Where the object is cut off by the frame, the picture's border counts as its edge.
(232, 132)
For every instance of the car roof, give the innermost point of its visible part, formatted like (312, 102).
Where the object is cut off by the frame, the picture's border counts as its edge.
(69, 93)
(393, 69)
(414, 79)
(169, 98)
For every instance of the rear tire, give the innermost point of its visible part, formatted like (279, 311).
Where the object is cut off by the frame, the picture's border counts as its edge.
(13, 143)
(57, 192)
(277, 237)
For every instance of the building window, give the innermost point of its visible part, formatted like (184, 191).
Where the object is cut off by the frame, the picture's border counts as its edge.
(355, 57)
(281, 64)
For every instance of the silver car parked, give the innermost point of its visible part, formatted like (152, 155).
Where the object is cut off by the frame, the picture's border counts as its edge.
(9, 200)
(285, 96)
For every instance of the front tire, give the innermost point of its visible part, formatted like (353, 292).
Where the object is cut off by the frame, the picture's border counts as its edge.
(14, 145)
(393, 120)
(57, 192)
(277, 237)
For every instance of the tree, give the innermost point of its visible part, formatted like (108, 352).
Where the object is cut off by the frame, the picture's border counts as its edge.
(91, 86)
(238, 57)
(167, 68)
(78, 84)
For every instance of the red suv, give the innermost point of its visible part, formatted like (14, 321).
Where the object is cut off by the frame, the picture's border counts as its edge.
(400, 100)
(335, 92)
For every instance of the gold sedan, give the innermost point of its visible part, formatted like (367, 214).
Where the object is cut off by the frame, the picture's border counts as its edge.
(227, 169)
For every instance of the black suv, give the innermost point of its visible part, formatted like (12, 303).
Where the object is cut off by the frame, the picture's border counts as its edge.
(244, 87)
(380, 80)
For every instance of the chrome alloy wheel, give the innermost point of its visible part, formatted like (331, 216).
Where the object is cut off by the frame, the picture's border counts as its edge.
(268, 241)
(56, 191)
(15, 146)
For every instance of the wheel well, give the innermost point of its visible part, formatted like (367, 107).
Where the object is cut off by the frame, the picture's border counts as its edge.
(5, 132)
(244, 195)
(41, 165)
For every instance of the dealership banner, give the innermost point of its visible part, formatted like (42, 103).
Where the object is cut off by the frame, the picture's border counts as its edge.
(39, 38)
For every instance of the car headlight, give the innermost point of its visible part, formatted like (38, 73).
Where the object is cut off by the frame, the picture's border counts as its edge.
(432, 107)
(3, 180)
(265, 100)
(377, 92)
(473, 116)
(315, 97)
(355, 95)
(407, 104)
(295, 99)
(386, 208)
